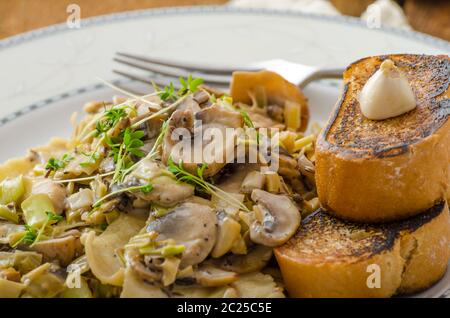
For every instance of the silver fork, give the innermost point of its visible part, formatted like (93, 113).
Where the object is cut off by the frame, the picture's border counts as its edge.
(165, 71)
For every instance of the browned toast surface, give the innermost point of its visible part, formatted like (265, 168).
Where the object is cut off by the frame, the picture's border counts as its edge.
(329, 257)
(350, 133)
(323, 238)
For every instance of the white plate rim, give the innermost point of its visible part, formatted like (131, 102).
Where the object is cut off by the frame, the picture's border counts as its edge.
(145, 13)
(170, 11)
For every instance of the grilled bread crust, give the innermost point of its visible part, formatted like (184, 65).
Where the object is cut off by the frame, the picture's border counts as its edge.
(378, 171)
(330, 257)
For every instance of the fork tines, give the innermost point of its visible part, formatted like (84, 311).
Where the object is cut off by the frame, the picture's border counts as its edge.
(165, 70)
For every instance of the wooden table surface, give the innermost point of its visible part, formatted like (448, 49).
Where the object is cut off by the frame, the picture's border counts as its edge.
(17, 16)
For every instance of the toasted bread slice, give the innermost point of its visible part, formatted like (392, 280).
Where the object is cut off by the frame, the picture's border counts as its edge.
(329, 257)
(385, 170)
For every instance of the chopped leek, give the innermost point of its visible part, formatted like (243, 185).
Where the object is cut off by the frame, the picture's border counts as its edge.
(35, 207)
(8, 214)
(11, 190)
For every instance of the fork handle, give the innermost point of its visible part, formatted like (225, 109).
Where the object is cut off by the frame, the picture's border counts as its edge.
(323, 73)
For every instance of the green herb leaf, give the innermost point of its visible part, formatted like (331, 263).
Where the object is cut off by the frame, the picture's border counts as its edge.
(109, 119)
(28, 238)
(92, 159)
(147, 188)
(247, 120)
(189, 85)
(168, 93)
(201, 184)
(53, 217)
(54, 164)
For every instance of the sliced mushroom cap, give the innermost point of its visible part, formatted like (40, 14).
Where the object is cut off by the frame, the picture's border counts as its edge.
(229, 231)
(221, 116)
(166, 192)
(254, 261)
(192, 225)
(56, 192)
(306, 167)
(190, 103)
(211, 276)
(134, 260)
(253, 180)
(215, 144)
(278, 221)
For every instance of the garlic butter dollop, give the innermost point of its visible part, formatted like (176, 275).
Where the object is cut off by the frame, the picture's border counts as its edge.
(387, 93)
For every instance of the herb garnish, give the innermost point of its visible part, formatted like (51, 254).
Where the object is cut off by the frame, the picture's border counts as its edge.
(198, 181)
(130, 145)
(92, 159)
(110, 119)
(54, 164)
(32, 236)
(168, 92)
(146, 188)
(28, 238)
(189, 85)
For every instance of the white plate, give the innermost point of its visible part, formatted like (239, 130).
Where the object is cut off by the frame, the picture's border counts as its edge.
(49, 73)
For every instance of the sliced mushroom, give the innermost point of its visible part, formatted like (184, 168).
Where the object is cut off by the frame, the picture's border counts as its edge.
(253, 180)
(306, 167)
(192, 225)
(219, 115)
(166, 192)
(278, 220)
(153, 125)
(254, 261)
(190, 103)
(229, 232)
(215, 144)
(56, 192)
(231, 179)
(134, 260)
(211, 276)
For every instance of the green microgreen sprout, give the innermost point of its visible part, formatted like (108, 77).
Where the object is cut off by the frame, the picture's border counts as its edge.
(153, 152)
(52, 218)
(168, 92)
(130, 145)
(198, 181)
(54, 164)
(110, 119)
(31, 236)
(92, 158)
(146, 188)
(28, 238)
(189, 85)
(82, 179)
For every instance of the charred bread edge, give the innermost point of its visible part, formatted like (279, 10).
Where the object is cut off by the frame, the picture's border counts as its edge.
(392, 230)
(391, 151)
